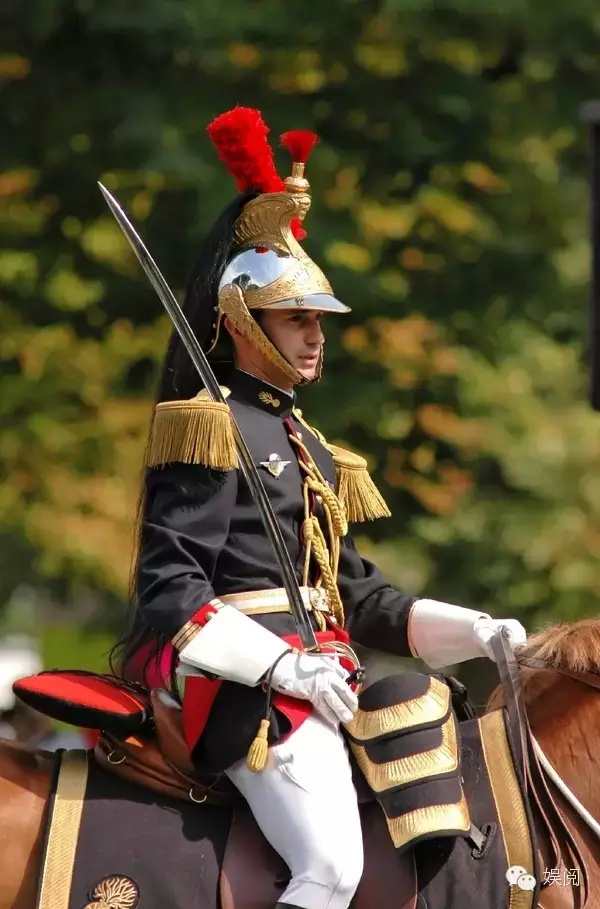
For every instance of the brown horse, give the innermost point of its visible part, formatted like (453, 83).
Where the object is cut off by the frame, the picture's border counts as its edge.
(563, 707)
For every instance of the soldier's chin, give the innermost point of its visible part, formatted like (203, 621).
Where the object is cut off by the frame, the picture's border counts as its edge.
(308, 368)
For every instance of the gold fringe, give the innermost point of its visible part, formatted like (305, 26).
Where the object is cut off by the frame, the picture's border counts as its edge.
(256, 759)
(198, 431)
(355, 488)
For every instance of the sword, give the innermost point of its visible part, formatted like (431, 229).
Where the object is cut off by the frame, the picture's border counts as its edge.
(198, 357)
(590, 114)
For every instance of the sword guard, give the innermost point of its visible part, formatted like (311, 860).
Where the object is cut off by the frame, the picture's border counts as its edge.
(357, 676)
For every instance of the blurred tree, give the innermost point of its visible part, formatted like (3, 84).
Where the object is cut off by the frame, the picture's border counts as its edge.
(449, 212)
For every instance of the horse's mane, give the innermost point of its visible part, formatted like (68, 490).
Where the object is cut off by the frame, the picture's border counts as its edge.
(573, 646)
(567, 645)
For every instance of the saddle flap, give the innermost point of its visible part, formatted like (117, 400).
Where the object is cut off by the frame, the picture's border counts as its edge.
(389, 879)
(253, 875)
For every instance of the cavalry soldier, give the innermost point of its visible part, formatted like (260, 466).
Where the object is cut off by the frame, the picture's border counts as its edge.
(256, 707)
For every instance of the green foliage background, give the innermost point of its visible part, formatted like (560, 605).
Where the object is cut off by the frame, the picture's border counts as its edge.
(450, 202)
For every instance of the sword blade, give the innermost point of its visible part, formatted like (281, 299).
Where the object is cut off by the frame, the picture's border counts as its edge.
(251, 475)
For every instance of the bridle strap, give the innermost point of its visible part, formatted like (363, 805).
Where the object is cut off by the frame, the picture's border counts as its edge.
(519, 731)
(590, 678)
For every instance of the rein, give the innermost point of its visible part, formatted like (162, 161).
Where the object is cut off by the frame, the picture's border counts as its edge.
(533, 776)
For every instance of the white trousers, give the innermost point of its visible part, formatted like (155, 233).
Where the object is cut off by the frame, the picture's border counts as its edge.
(305, 804)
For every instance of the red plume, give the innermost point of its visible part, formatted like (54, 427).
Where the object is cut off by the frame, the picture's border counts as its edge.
(297, 230)
(299, 143)
(240, 137)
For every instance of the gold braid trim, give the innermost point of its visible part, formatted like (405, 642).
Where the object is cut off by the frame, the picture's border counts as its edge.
(355, 488)
(198, 431)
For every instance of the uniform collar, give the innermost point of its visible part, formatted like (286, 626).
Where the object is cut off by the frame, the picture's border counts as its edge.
(273, 400)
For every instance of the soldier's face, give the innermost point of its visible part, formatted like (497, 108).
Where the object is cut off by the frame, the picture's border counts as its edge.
(297, 335)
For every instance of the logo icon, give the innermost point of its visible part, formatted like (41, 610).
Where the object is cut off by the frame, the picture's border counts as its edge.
(114, 892)
(517, 876)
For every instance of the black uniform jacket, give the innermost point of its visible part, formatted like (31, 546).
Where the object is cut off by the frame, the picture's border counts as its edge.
(203, 538)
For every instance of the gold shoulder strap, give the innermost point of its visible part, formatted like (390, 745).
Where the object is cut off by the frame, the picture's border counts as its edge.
(198, 431)
(355, 488)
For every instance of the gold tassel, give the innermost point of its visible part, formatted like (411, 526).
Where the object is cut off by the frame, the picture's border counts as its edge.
(256, 759)
(355, 488)
(198, 431)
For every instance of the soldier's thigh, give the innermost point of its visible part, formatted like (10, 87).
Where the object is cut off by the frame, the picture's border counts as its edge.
(305, 795)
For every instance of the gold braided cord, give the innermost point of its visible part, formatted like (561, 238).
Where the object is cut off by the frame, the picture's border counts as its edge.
(334, 534)
(326, 557)
(306, 570)
(320, 486)
(334, 509)
(314, 539)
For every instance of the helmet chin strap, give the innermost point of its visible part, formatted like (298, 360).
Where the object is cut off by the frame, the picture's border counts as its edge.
(302, 381)
(319, 370)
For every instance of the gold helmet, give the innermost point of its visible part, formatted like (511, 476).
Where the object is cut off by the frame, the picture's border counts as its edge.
(269, 269)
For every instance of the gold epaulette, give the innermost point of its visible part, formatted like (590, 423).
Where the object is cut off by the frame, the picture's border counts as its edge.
(197, 431)
(355, 489)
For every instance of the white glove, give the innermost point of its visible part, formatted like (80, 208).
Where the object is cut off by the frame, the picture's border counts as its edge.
(485, 628)
(443, 634)
(320, 680)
